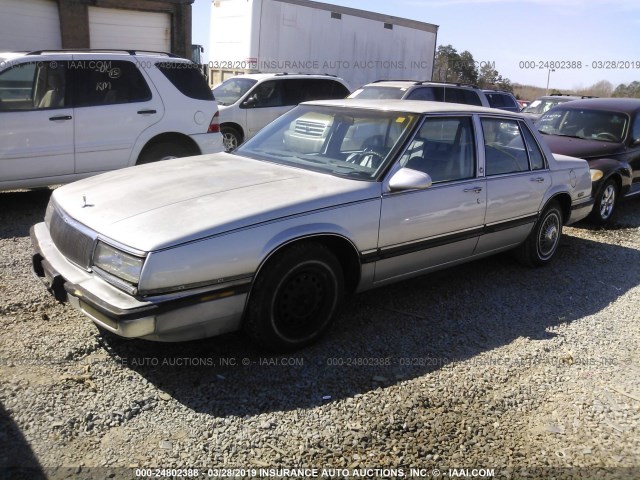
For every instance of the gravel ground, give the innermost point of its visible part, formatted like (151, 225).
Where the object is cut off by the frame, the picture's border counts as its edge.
(489, 366)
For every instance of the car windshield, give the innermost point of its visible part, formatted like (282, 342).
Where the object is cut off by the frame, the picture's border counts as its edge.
(541, 106)
(346, 142)
(379, 93)
(230, 91)
(599, 125)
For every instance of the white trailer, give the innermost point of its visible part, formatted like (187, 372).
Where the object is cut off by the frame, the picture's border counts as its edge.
(302, 36)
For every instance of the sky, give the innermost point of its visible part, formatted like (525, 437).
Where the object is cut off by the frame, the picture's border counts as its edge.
(587, 40)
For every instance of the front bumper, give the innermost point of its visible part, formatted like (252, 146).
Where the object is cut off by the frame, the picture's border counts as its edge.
(171, 317)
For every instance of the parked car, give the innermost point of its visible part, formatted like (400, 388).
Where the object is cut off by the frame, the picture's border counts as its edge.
(249, 102)
(268, 238)
(502, 100)
(523, 104)
(66, 115)
(417, 90)
(543, 104)
(606, 133)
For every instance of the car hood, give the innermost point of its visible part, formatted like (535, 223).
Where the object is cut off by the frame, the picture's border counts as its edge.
(159, 205)
(581, 148)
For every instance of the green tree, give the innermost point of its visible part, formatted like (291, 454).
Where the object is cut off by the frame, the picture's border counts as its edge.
(451, 66)
(632, 90)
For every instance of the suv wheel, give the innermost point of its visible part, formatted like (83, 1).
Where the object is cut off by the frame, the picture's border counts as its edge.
(163, 151)
(231, 137)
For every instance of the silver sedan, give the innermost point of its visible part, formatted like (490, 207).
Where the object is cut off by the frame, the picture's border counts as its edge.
(333, 197)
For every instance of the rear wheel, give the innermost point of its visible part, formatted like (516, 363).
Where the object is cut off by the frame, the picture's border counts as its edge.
(294, 297)
(542, 243)
(231, 138)
(163, 151)
(605, 204)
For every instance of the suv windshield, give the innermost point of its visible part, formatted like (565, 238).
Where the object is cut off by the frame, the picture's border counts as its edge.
(588, 124)
(345, 142)
(377, 93)
(230, 91)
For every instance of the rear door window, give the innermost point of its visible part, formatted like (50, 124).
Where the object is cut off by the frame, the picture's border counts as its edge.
(107, 82)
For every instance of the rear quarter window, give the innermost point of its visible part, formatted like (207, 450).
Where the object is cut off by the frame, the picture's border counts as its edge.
(186, 77)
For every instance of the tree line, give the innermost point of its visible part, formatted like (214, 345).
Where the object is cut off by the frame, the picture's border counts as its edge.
(451, 66)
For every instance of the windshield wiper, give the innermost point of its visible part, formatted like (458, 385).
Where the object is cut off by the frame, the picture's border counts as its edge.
(565, 135)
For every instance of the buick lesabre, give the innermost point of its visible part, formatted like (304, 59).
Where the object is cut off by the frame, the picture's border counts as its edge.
(333, 198)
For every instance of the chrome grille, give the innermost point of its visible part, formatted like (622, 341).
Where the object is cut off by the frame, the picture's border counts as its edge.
(74, 244)
(312, 129)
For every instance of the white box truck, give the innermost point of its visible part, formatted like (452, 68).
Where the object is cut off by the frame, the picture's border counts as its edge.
(302, 36)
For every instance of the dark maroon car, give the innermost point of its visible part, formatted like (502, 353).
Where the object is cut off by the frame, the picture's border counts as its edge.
(606, 133)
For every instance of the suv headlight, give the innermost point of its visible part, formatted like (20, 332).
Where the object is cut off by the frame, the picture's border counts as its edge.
(115, 262)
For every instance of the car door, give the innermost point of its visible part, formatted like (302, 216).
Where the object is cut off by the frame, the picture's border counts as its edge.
(517, 179)
(267, 101)
(421, 229)
(114, 103)
(36, 137)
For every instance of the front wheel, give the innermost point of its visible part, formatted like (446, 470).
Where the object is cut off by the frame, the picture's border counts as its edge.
(294, 297)
(542, 243)
(605, 204)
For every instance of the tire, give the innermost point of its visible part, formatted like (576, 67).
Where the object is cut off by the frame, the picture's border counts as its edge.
(294, 298)
(542, 243)
(163, 151)
(605, 204)
(231, 138)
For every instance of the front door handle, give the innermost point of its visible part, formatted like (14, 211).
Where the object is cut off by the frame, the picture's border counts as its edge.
(539, 179)
(146, 112)
(61, 117)
(474, 189)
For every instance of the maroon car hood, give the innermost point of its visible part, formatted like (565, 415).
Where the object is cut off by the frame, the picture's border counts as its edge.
(581, 148)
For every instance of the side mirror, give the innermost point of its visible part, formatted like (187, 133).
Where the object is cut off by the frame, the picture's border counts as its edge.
(635, 142)
(250, 102)
(409, 179)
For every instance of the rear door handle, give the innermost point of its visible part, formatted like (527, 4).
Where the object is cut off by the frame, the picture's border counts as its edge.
(539, 179)
(146, 112)
(61, 117)
(474, 189)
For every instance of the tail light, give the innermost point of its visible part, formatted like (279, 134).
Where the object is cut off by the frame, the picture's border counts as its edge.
(214, 126)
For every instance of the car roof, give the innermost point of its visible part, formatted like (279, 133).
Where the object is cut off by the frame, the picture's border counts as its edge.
(562, 98)
(263, 76)
(117, 53)
(412, 106)
(626, 105)
(410, 83)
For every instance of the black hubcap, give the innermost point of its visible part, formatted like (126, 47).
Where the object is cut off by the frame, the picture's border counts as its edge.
(303, 303)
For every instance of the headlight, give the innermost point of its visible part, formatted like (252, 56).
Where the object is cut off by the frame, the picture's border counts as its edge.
(596, 175)
(118, 263)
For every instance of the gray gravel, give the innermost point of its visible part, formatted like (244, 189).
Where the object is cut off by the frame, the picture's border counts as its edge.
(531, 373)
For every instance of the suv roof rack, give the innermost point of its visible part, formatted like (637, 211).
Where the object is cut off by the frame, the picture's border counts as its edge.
(280, 74)
(422, 82)
(101, 50)
(457, 84)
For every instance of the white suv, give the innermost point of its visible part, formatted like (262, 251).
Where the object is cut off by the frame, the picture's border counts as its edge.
(66, 115)
(450, 92)
(249, 102)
